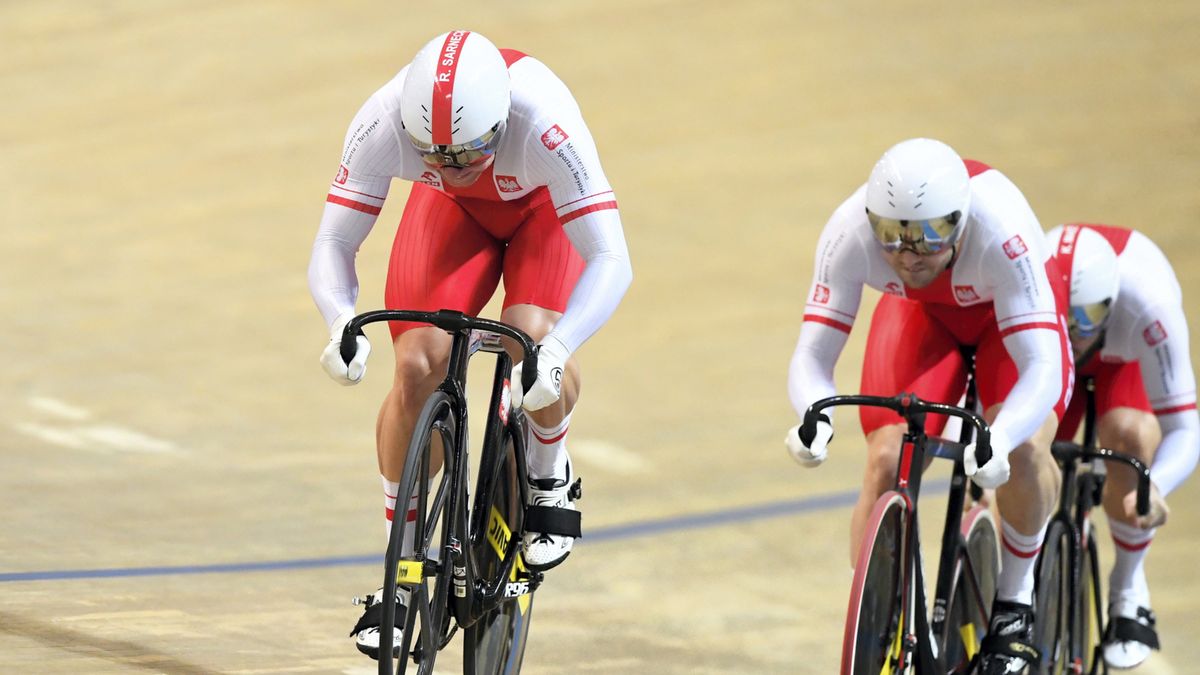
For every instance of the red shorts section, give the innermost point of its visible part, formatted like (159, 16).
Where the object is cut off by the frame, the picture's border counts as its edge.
(914, 347)
(450, 253)
(1118, 385)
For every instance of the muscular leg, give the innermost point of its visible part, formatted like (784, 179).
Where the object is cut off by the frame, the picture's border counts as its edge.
(1133, 432)
(883, 454)
(421, 358)
(1025, 503)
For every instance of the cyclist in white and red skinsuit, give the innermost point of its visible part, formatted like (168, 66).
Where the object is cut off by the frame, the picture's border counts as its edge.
(959, 255)
(1130, 333)
(506, 183)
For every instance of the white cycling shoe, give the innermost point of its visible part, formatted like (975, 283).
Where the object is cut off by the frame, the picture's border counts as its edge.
(1130, 635)
(367, 628)
(551, 521)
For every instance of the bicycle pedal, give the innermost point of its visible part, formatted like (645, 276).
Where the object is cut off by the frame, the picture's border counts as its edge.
(576, 491)
(358, 601)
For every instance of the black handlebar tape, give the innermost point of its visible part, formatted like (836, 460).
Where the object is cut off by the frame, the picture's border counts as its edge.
(529, 370)
(983, 446)
(349, 344)
(1143, 495)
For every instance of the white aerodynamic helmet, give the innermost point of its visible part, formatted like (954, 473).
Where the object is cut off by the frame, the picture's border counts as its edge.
(1095, 281)
(455, 99)
(918, 196)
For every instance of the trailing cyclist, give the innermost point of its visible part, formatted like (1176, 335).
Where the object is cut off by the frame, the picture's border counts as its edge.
(1129, 332)
(506, 182)
(959, 256)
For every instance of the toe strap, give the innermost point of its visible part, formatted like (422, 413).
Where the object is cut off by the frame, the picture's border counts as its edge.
(553, 520)
(374, 616)
(1010, 646)
(1123, 629)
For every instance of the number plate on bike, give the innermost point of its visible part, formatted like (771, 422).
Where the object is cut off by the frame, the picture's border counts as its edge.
(410, 572)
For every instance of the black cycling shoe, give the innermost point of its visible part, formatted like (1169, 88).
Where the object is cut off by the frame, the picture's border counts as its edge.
(366, 631)
(1008, 648)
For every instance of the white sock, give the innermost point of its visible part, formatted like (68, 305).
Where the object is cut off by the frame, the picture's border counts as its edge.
(1018, 555)
(547, 451)
(1127, 582)
(390, 492)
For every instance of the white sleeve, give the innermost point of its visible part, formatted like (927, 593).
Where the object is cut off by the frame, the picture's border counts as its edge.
(831, 307)
(355, 199)
(561, 154)
(1027, 316)
(606, 276)
(1170, 383)
(1038, 355)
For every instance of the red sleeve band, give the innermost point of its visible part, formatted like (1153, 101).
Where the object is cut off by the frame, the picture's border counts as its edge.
(832, 323)
(351, 204)
(579, 213)
(1028, 326)
(1175, 409)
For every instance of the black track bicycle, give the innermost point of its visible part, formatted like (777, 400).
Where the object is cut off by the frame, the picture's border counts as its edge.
(889, 629)
(1069, 616)
(467, 570)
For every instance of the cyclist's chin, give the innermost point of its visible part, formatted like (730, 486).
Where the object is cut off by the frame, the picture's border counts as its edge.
(459, 178)
(918, 277)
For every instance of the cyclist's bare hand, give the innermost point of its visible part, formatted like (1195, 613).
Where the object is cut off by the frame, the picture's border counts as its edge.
(1159, 511)
(812, 453)
(552, 358)
(331, 359)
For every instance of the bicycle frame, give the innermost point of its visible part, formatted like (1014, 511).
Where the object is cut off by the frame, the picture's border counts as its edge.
(916, 446)
(472, 596)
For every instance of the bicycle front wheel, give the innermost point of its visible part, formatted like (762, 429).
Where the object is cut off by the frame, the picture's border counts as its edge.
(421, 570)
(495, 644)
(875, 621)
(973, 590)
(1051, 633)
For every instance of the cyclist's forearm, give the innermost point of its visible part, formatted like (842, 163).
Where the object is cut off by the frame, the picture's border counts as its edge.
(1179, 451)
(810, 375)
(332, 279)
(599, 239)
(1037, 354)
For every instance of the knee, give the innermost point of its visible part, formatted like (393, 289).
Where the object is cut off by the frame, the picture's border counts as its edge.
(883, 454)
(1133, 432)
(417, 373)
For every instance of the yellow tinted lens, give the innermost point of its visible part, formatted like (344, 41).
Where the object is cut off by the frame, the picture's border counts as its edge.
(1087, 320)
(923, 237)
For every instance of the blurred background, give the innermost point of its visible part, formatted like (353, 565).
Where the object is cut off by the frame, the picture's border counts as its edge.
(183, 489)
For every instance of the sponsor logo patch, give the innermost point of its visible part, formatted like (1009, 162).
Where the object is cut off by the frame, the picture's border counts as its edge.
(820, 294)
(1015, 248)
(1154, 333)
(554, 137)
(342, 174)
(431, 179)
(893, 288)
(965, 294)
(508, 184)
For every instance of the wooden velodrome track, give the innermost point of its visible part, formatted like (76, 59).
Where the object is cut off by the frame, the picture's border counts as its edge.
(184, 491)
